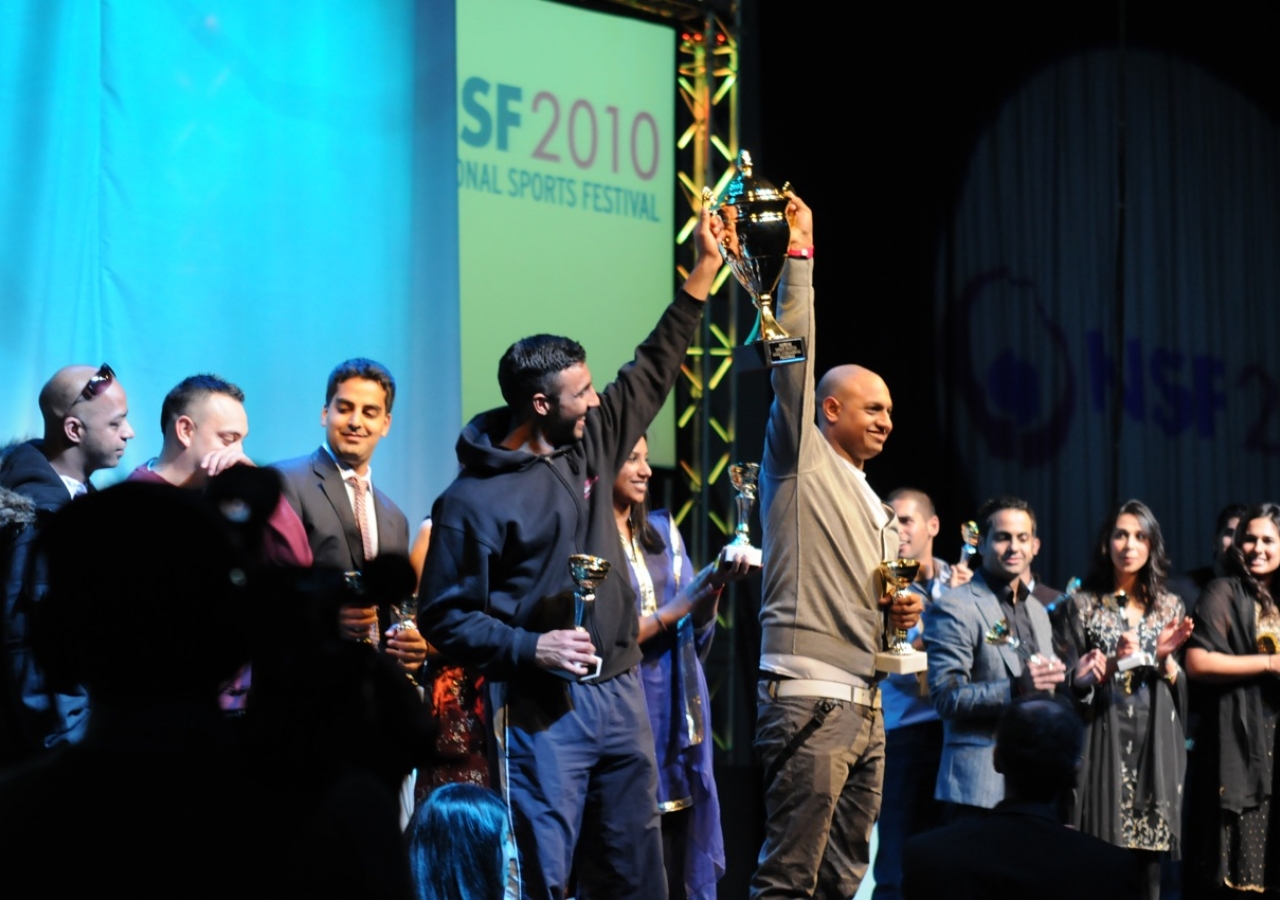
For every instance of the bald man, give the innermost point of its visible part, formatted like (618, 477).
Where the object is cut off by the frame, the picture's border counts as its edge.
(819, 729)
(86, 428)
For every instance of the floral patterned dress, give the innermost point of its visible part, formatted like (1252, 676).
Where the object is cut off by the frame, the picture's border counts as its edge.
(1130, 790)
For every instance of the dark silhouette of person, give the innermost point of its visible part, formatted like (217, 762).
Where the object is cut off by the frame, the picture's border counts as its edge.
(1022, 848)
(152, 606)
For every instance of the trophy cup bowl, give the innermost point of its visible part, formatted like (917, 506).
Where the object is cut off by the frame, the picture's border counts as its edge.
(406, 613)
(900, 658)
(745, 477)
(969, 534)
(587, 572)
(754, 247)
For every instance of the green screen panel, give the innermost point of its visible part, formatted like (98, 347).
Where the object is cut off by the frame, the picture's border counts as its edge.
(566, 167)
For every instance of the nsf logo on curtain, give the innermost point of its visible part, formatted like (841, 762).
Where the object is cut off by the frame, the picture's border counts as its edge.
(1090, 347)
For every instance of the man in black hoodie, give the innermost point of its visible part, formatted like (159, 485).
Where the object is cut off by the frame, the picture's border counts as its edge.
(86, 427)
(572, 750)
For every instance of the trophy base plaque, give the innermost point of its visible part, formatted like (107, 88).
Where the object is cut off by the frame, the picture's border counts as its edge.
(1134, 661)
(593, 674)
(780, 351)
(902, 663)
(731, 553)
(765, 354)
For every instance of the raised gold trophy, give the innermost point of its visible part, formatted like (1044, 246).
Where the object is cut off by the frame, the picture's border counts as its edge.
(744, 476)
(754, 246)
(587, 572)
(900, 658)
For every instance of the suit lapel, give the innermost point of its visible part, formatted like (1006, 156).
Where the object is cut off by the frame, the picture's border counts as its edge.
(336, 492)
(1043, 628)
(989, 613)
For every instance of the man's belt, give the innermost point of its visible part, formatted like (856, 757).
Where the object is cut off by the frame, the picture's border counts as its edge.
(831, 690)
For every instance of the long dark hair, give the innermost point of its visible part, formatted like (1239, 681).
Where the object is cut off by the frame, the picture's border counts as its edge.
(1234, 563)
(1102, 572)
(639, 518)
(455, 844)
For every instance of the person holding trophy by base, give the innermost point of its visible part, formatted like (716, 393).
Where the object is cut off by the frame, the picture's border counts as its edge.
(823, 619)
(1119, 636)
(677, 609)
(570, 743)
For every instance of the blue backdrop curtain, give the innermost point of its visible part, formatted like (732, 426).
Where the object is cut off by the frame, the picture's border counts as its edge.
(1047, 295)
(254, 189)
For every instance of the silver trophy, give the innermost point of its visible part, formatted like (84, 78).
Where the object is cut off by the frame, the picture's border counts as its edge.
(744, 476)
(1133, 660)
(969, 537)
(406, 613)
(900, 658)
(754, 246)
(587, 572)
(1000, 634)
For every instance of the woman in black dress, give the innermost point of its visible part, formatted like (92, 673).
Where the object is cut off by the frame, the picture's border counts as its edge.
(1118, 635)
(1233, 652)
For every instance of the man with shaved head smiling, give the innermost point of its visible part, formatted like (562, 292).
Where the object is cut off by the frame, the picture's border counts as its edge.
(86, 428)
(819, 729)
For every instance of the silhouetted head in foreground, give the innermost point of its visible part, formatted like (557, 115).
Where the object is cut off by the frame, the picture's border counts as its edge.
(1038, 745)
(460, 845)
(147, 595)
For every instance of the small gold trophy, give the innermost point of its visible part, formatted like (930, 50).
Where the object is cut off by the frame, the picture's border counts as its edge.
(900, 658)
(744, 476)
(587, 572)
(754, 246)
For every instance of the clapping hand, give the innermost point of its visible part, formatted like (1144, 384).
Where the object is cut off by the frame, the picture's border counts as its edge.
(1173, 636)
(1091, 668)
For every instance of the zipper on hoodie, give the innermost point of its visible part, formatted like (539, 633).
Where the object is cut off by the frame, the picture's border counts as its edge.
(591, 622)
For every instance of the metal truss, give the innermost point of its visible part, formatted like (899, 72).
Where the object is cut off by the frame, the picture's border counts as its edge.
(706, 394)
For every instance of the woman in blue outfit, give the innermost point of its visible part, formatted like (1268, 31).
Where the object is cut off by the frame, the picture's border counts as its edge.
(677, 609)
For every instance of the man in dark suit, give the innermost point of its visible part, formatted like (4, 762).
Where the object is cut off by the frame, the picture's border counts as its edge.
(348, 520)
(1022, 849)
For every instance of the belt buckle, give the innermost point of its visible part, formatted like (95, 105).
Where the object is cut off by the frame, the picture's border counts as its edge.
(772, 688)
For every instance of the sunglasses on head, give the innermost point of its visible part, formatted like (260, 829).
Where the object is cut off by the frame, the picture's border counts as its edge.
(100, 381)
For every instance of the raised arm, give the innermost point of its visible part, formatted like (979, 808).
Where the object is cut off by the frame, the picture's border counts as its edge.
(629, 404)
(792, 412)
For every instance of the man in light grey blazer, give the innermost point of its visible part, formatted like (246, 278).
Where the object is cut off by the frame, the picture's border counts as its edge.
(988, 642)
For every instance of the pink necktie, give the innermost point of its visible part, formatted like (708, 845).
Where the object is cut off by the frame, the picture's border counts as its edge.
(362, 518)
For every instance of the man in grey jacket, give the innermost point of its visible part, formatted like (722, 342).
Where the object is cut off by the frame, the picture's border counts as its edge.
(989, 641)
(819, 728)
